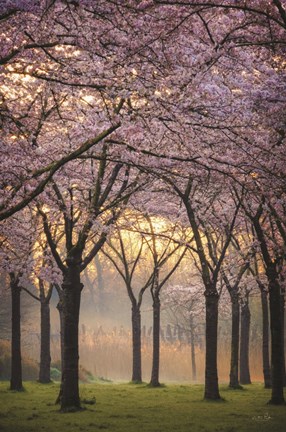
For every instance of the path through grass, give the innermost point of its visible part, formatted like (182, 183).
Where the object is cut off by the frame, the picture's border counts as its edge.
(138, 408)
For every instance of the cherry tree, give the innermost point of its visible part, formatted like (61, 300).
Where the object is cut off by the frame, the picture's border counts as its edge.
(142, 238)
(236, 263)
(197, 213)
(44, 276)
(165, 245)
(262, 284)
(272, 252)
(17, 261)
(76, 217)
(126, 251)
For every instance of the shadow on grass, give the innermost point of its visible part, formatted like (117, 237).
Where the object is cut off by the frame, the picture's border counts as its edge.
(214, 401)
(159, 386)
(235, 388)
(238, 388)
(21, 390)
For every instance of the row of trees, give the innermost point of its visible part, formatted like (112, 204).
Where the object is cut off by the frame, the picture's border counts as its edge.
(131, 253)
(174, 109)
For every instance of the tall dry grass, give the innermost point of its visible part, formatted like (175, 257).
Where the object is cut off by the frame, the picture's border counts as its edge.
(108, 354)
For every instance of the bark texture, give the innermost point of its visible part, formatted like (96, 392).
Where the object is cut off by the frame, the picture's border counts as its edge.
(283, 335)
(211, 376)
(244, 343)
(61, 315)
(45, 356)
(16, 360)
(235, 317)
(277, 346)
(136, 342)
(156, 342)
(265, 339)
(71, 306)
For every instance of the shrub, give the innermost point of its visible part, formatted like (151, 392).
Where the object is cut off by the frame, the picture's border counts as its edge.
(55, 374)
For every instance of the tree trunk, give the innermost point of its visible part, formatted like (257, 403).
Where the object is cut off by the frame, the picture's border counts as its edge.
(193, 353)
(16, 361)
(244, 344)
(283, 335)
(277, 348)
(45, 357)
(265, 339)
(61, 314)
(233, 376)
(136, 342)
(211, 376)
(71, 306)
(275, 298)
(156, 342)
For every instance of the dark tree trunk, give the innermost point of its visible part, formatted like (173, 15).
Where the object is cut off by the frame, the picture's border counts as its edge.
(265, 339)
(71, 306)
(61, 314)
(284, 341)
(275, 298)
(16, 361)
(45, 357)
(283, 336)
(156, 342)
(211, 376)
(244, 344)
(277, 348)
(193, 353)
(136, 342)
(233, 376)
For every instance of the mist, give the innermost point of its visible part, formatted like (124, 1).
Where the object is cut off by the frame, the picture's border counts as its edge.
(106, 340)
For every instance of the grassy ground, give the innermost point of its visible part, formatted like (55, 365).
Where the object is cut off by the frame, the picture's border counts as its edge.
(137, 408)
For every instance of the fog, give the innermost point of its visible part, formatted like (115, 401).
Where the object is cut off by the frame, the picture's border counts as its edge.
(106, 343)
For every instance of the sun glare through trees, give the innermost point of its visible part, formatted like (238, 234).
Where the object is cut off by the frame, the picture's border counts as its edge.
(143, 208)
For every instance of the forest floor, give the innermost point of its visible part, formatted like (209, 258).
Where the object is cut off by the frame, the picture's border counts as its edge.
(139, 408)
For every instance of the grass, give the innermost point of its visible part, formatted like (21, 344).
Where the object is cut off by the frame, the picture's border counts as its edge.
(133, 408)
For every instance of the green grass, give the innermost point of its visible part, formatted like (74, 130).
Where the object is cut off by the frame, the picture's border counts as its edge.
(139, 408)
